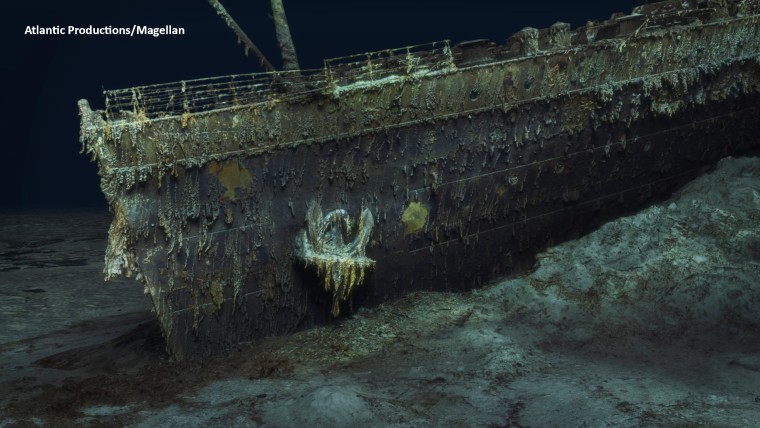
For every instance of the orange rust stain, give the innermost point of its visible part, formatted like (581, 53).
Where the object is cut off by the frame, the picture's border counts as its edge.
(236, 180)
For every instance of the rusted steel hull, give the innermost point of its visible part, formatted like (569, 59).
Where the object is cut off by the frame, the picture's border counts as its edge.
(465, 173)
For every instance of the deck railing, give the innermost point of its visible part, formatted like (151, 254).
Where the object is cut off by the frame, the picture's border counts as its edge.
(191, 96)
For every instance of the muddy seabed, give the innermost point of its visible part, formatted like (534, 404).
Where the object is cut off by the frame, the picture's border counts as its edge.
(652, 320)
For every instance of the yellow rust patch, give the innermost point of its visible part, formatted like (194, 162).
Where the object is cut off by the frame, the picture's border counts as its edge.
(186, 118)
(217, 294)
(234, 178)
(577, 118)
(414, 217)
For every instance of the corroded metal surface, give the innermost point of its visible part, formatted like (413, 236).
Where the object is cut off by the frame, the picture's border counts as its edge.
(469, 159)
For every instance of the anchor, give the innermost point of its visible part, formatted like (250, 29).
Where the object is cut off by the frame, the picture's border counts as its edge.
(323, 244)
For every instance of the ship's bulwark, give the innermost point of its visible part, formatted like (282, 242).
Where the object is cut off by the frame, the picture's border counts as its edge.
(467, 170)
